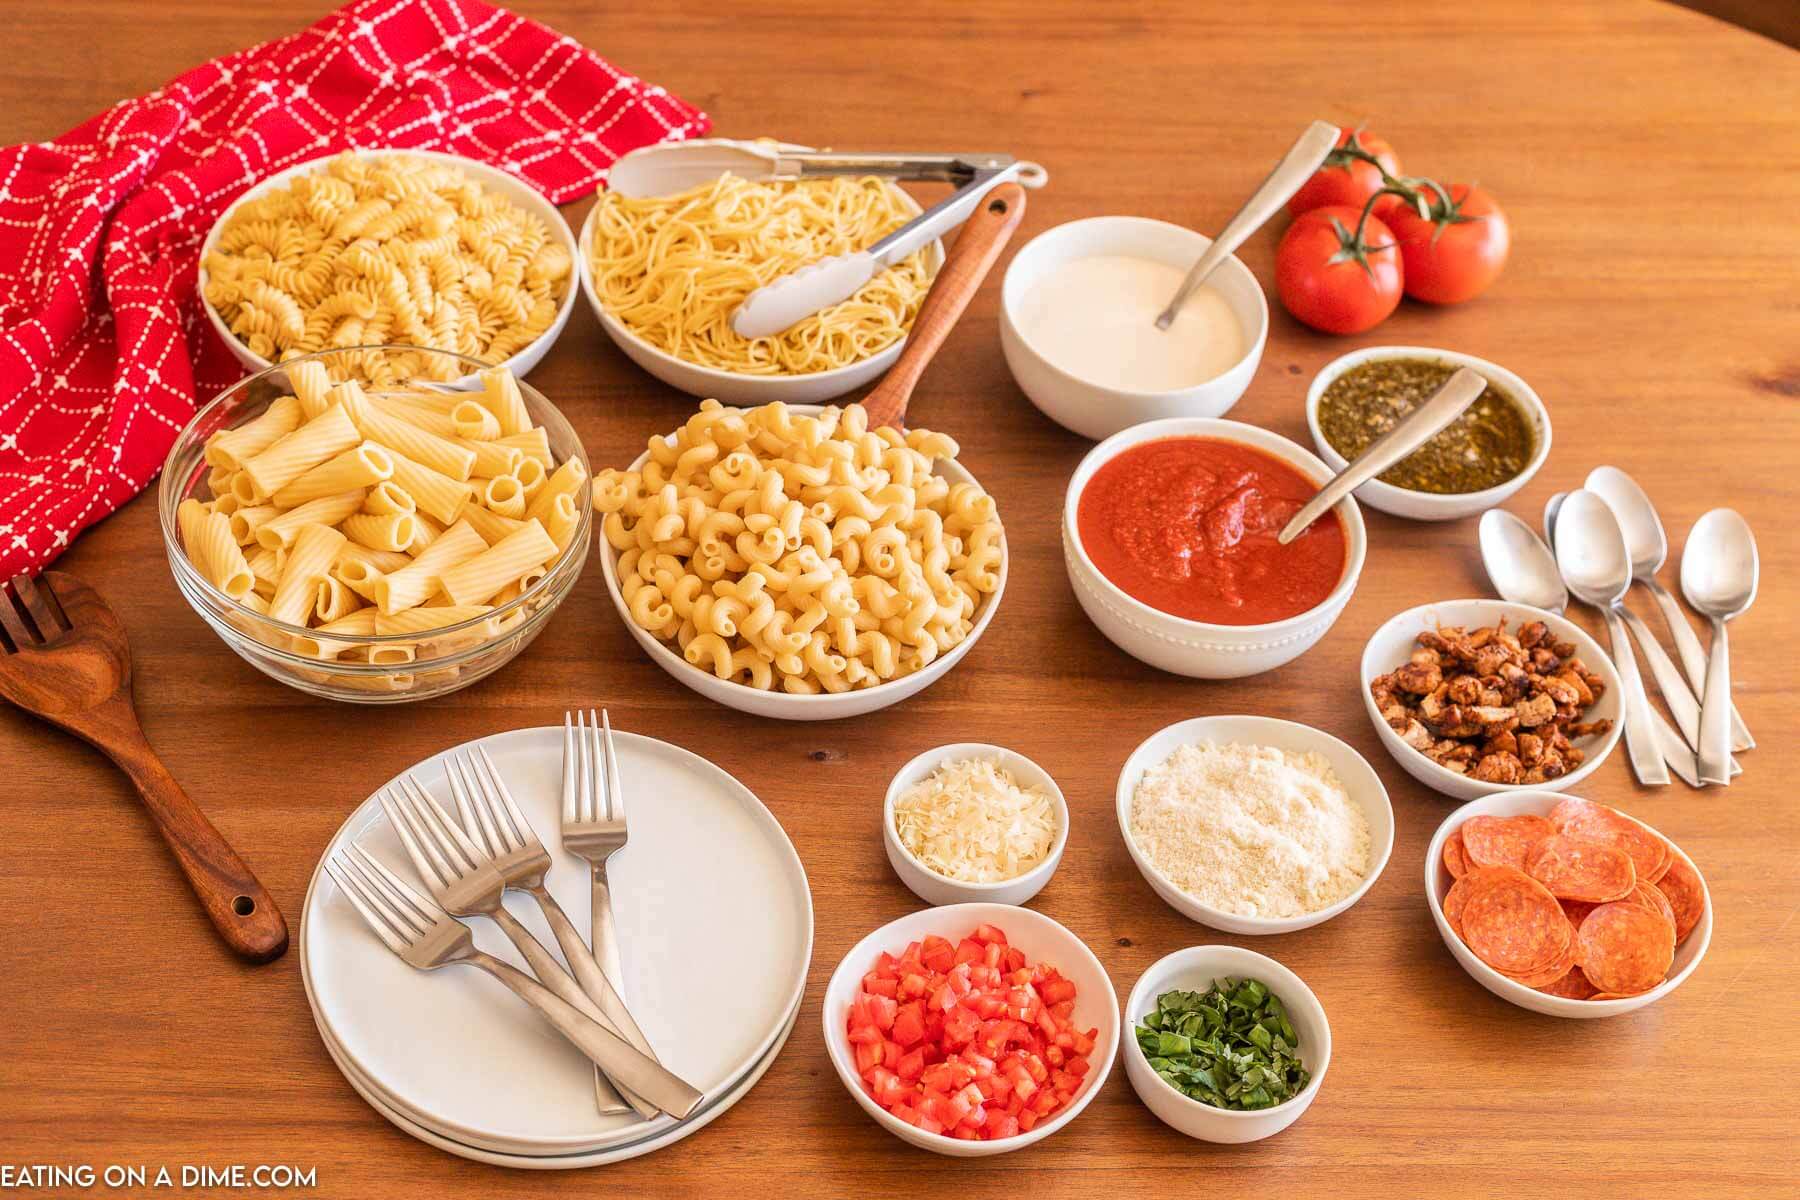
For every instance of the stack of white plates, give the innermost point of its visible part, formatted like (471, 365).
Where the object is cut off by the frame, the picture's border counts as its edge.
(715, 928)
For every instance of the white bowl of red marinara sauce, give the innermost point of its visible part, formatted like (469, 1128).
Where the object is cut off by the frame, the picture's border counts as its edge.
(1182, 575)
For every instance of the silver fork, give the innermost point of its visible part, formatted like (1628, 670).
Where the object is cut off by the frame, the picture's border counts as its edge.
(425, 937)
(593, 823)
(493, 818)
(463, 879)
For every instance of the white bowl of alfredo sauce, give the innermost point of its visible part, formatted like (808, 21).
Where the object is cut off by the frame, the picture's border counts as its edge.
(1076, 325)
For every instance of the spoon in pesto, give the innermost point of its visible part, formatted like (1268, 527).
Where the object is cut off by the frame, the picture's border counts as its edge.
(1408, 434)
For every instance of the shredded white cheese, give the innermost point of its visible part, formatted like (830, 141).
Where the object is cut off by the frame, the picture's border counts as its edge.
(1252, 830)
(972, 822)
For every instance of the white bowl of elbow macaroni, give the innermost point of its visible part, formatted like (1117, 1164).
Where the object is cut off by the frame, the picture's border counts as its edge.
(790, 706)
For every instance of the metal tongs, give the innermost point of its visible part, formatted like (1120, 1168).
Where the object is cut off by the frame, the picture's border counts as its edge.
(676, 166)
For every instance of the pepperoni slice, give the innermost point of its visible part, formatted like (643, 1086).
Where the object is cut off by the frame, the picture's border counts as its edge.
(1577, 870)
(1589, 822)
(1686, 896)
(1514, 925)
(1662, 869)
(1463, 888)
(1653, 899)
(1550, 974)
(1454, 860)
(1577, 911)
(1623, 948)
(1502, 841)
(1571, 985)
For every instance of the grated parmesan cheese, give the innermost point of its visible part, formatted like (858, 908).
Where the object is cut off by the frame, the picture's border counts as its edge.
(1252, 830)
(972, 822)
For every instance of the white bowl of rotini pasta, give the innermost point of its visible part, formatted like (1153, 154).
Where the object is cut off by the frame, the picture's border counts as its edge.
(686, 340)
(792, 563)
(383, 247)
(376, 545)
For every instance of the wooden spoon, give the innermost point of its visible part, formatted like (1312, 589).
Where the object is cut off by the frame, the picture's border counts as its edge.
(64, 657)
(983, 236)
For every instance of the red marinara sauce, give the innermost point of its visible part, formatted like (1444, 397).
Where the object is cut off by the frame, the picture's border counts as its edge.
(1187, 525)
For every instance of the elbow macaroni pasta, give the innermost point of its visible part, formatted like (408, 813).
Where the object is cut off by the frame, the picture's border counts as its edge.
(389, 248)
(812, 554)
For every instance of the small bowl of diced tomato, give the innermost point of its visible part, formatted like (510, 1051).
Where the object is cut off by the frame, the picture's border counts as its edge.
(972, 1029)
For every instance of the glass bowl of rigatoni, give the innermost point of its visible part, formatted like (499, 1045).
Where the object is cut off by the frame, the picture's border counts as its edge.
(376, 543)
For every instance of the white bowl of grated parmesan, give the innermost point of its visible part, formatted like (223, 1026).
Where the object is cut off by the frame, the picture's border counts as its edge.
(1254, 825)
(970, 822)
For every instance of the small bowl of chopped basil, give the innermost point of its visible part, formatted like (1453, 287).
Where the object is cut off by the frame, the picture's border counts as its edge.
(1475, 463)
(1225, 1044)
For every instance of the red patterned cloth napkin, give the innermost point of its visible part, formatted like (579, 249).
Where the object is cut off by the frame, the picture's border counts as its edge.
(104, 349)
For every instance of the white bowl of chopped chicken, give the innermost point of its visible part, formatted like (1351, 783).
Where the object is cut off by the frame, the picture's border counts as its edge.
(1254, 825)
(974, 822)
(1471, 713)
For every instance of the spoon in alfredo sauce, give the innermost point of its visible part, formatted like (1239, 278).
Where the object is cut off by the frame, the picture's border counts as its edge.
(1408, 434)
(1301, 161)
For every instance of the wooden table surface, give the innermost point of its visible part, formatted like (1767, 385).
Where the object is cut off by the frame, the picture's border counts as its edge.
(1646, 156)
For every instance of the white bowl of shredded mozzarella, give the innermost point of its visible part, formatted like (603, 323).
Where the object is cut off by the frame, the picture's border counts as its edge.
(1254, 825)
(974, 822)
(665, 274)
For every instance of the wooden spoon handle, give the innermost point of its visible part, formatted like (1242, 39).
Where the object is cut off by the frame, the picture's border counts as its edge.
(237, 904)
(983, 236)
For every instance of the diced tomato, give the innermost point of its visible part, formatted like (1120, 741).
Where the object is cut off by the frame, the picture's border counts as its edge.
(909, 1024)
(938, 954)
(887, 1088)
(881, 1010)
(968, 1038)
(960, 1027)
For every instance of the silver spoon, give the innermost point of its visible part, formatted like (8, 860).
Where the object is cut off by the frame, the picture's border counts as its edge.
(1552, 506)
(1301, 161)
(1412, 431)
(1718, 576)
(1677, 752)
(1590, 552)
(1518, 563)
(1649, 547)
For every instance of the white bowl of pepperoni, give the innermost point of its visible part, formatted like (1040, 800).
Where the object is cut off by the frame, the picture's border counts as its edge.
(933, 1072)
(1565, 906)
(1169, 540)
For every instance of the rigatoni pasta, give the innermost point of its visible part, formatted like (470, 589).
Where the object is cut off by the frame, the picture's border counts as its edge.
(324, 524)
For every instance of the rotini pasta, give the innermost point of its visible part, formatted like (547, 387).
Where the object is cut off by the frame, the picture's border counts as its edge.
(388, 248)
(810, 553)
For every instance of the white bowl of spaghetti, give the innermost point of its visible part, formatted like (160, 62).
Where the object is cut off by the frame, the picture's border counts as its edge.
(708, 262)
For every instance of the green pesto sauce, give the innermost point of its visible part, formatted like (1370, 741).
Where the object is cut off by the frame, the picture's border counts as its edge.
(1489, 444)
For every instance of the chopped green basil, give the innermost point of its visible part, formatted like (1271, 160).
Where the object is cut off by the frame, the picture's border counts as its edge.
(1230, 1046)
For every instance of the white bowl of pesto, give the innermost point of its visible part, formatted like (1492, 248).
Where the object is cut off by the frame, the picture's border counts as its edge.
(1422, 505)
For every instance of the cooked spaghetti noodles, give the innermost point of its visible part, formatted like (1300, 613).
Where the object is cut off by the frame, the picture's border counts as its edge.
(673, 269)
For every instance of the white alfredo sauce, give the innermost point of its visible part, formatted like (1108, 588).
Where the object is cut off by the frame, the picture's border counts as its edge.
(1095, 318)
